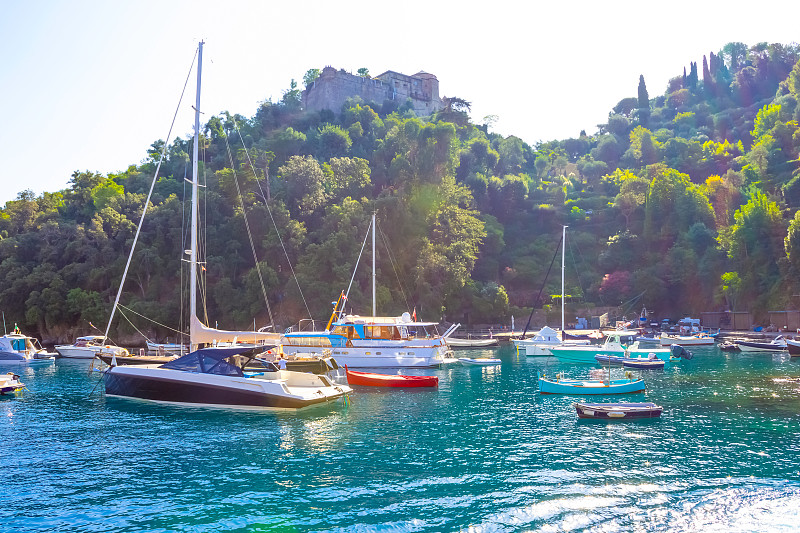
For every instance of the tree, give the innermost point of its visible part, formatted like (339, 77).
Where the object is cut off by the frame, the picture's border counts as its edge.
(303, 178)
(310, 77)
(643, 99)
(363, 72)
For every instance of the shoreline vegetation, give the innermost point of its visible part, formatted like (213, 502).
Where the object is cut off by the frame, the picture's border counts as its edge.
(684, 202)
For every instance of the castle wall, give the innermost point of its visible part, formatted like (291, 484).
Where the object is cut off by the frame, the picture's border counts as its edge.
(334, 87)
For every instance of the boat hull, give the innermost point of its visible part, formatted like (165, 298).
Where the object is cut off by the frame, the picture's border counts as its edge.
(618, 411)
(687, 340)
(793, 347)
(644, 364)
(189, 388)
(578, 387)
(479, 362)
(368, 379)
(746, 346)
(471, 343)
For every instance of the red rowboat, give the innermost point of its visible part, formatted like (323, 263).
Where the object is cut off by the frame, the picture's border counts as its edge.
(389, 380)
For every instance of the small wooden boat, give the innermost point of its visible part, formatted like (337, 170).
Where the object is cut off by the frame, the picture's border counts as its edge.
(618, 411)
(369, 379)
(483, 361)
(9, 384)
(581, 387)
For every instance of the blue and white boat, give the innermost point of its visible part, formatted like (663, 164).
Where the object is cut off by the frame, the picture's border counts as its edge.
(16, 348)
(561, 385)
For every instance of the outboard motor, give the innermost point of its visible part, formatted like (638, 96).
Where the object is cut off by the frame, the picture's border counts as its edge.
(676, 350)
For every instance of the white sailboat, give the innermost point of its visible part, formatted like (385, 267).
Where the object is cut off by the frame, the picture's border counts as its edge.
(216, 376)
(373, 341)
(547, 337)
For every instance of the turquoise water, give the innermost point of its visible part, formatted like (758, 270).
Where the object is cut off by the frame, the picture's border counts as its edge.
(483, 453)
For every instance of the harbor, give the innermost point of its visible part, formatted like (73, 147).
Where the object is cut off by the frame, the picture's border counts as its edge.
(483, 451)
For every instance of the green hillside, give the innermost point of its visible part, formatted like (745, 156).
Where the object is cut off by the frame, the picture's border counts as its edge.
(687, 200)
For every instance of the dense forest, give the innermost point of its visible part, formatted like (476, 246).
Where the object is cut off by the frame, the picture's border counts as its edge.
(685, 202)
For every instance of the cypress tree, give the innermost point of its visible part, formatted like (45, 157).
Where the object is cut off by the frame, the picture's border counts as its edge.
(644, 99)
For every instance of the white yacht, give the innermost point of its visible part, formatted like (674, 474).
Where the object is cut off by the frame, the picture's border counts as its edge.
(88, 347)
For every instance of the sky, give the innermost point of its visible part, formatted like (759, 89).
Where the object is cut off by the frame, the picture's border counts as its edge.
(89, 85)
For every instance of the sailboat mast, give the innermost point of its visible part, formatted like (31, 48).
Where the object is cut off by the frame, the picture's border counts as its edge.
(563, 253)
(195, 153)
(374, 313)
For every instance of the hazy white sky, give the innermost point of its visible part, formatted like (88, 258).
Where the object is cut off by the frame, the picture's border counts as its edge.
(90, 85)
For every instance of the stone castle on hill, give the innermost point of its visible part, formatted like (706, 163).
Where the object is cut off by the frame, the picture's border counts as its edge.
(333, 87)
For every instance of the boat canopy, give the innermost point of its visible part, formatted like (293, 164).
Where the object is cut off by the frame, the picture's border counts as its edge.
(210, 361)
(403, 320)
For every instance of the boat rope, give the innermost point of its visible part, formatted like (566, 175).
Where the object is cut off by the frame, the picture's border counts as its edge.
(249, 233)
(132, 325)
(151, 320)
(149, 195)
(394, 265)
(347, 294)
(533, 308)
(274, 224)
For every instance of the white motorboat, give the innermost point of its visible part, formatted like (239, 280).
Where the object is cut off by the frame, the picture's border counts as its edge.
(9, 384)
(778, 344)
(698, 339)
(88, 347)
(16, 348)
(217, 376)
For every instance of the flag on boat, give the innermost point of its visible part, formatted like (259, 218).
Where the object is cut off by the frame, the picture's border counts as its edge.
(414, 315)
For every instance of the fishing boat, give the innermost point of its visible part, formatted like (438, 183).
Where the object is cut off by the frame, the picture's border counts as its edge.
(374, 341)
(454, 342)
(563, 385)
(617, 343)
(618, 411)
(88, 346)
(16, 348)
(215, 376)
(9, 384)
(369, 379)
(778, 344)
(482, 361)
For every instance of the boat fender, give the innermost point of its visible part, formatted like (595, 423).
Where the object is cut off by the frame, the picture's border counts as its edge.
(629, 375)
